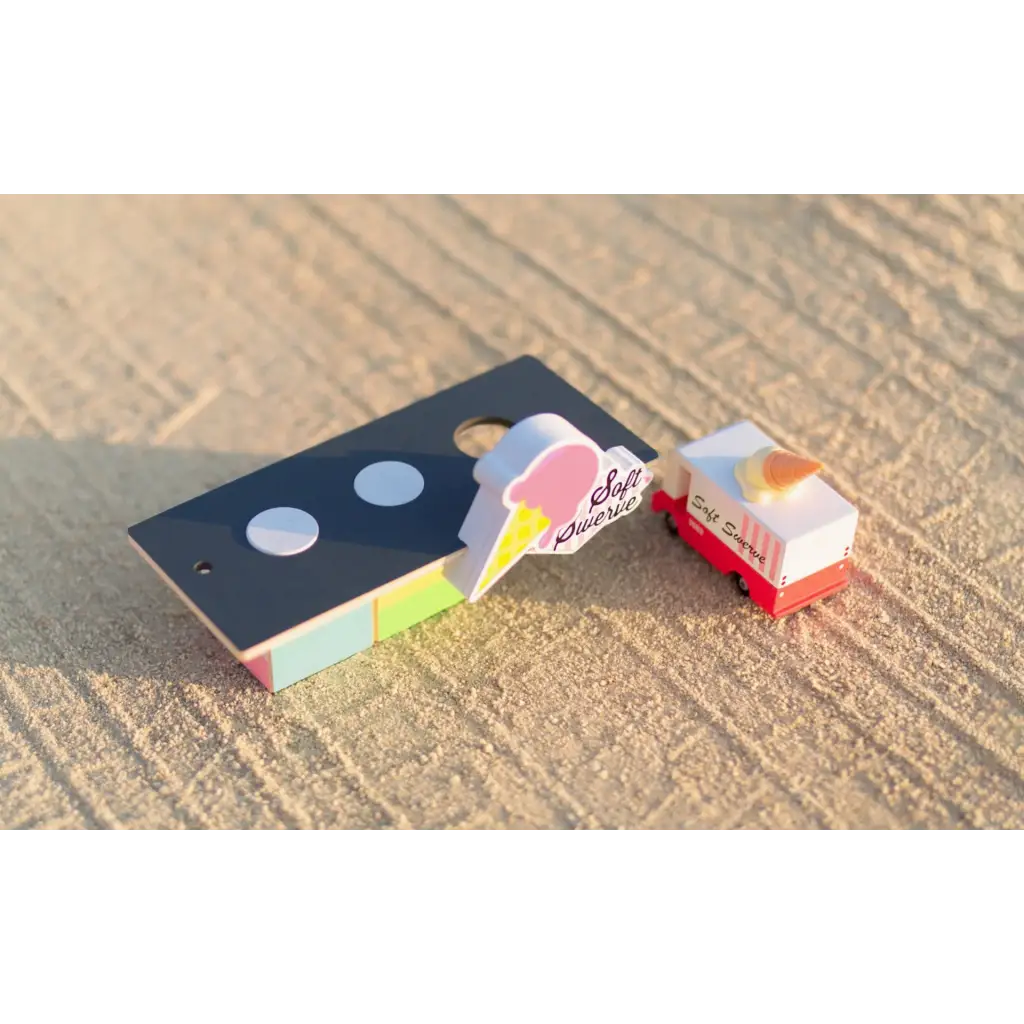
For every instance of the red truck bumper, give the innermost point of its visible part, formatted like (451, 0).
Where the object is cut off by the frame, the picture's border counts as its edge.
(775, 602)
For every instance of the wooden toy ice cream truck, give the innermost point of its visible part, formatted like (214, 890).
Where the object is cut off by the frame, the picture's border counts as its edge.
(760, 513)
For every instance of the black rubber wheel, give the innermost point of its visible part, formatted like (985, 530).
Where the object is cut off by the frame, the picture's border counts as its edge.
(742, 585)
(670, 524)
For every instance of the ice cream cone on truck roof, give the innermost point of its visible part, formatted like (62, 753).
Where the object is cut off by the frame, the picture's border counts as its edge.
(761, 513)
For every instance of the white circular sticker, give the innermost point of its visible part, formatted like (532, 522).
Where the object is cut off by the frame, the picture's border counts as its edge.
(282, 531)
(389, 483)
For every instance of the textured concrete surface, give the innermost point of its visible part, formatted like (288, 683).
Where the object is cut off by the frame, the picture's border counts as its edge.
(154, 347)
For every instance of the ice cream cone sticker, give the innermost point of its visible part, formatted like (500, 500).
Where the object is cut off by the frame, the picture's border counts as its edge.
(546, 488)
(773, 473)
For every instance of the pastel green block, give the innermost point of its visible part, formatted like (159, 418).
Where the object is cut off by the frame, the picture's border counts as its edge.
(398, 612)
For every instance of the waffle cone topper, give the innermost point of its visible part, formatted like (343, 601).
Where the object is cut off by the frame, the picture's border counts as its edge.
(545, 488)
(771, 473)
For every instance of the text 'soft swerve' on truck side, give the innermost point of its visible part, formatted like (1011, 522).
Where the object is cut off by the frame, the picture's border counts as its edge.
(760, 513)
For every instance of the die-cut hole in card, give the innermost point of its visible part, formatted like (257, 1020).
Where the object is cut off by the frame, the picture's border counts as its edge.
(476, 437)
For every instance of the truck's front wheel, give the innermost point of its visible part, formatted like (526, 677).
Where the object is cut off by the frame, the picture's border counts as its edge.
(670, 524)
(742, 585)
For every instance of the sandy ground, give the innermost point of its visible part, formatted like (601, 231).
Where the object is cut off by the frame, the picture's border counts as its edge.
(151, 348)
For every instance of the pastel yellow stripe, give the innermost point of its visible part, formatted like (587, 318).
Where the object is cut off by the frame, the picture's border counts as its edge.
(393, 596)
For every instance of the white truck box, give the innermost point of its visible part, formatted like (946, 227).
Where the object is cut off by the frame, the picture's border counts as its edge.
(784, 541)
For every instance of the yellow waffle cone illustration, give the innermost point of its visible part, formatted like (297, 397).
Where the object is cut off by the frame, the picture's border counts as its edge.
(773, 473)
(524, 526)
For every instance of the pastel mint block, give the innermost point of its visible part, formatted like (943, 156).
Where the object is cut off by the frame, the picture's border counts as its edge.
(324, 646)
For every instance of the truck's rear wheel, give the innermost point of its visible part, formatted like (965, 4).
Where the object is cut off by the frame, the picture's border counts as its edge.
(670, 524)
(742, 585)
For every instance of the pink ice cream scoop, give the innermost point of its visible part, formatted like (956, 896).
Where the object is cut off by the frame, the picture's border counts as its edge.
(558, 484)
